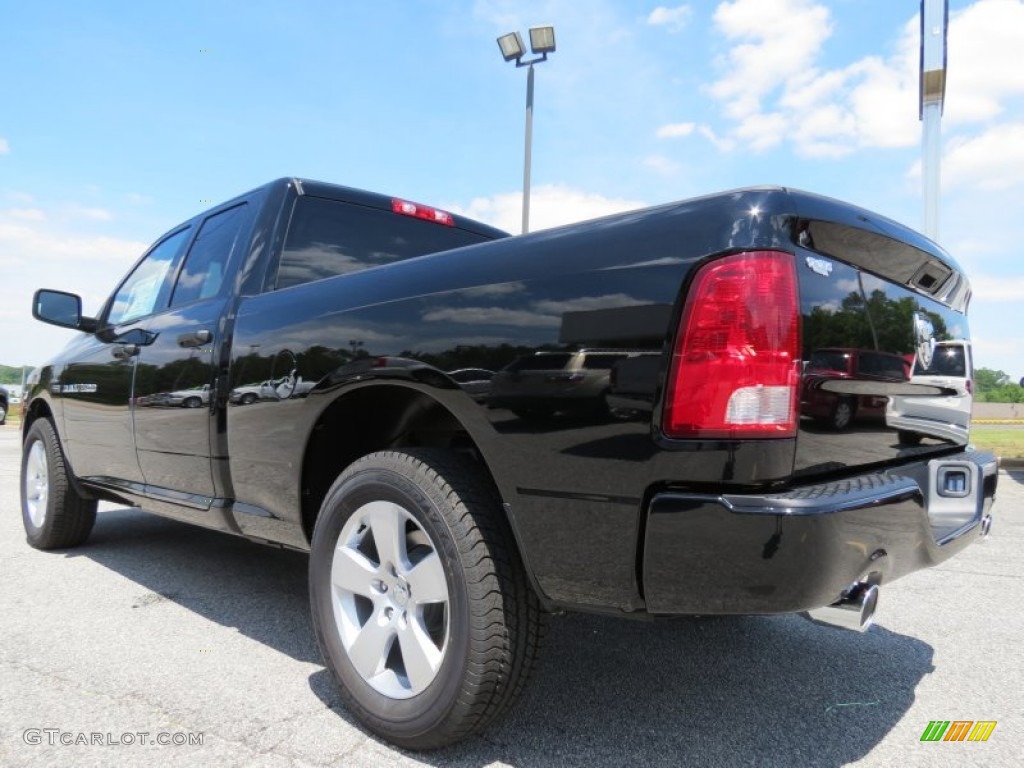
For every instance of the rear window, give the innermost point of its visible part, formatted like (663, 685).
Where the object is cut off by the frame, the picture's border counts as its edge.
(327, 238)
(601, 362)
(829, 361)
(946, 361)
(884, 366)
(554, 362)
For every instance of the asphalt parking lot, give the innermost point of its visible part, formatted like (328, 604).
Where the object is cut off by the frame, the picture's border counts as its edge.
(157, 630)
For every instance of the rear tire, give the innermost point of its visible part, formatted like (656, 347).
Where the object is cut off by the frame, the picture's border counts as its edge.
(54, 514)
(420, 602)
(842, 414)
(908, 438)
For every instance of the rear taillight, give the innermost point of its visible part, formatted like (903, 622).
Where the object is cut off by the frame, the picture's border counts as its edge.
(735, 364)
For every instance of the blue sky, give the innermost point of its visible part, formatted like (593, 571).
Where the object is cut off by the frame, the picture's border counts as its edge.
(119, 119)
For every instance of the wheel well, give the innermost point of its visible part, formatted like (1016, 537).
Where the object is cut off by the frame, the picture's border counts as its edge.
(373, 419)
(39, 409)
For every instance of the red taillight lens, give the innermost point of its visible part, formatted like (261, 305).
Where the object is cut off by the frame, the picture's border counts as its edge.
(735, 364)
(424, 212)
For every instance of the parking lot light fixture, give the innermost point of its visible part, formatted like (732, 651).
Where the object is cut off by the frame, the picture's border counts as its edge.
(542, 42)
(511, 46)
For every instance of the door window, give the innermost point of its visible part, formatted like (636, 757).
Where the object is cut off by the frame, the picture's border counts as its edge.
(206, 264)
(145, 290)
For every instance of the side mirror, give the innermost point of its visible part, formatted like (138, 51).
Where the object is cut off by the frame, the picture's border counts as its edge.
(62, 309)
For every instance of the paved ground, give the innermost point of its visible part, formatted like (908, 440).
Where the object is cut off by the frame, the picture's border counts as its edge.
(158, 628)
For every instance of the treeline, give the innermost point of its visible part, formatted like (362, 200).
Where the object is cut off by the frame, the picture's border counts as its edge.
(11, 374)
(995, 387)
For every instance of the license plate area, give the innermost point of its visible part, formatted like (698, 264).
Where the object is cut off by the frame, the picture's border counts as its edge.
(955, 496)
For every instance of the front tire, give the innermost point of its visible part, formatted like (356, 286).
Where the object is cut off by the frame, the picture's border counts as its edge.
(420, 603)
(54, 514)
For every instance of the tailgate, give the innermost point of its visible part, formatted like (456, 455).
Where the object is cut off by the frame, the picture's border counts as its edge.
(878, 302)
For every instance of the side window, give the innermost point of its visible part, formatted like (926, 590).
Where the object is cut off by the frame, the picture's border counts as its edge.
(145, 290)
(207, 259)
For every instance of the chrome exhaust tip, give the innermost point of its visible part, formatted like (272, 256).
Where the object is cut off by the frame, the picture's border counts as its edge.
(986, 526)
(854, 610)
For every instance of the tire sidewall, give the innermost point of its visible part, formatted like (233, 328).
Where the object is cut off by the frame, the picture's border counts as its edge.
(40, 432)
(423, 712)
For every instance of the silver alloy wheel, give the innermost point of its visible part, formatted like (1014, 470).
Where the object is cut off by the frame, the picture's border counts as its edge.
(390, 599)
(37, 483)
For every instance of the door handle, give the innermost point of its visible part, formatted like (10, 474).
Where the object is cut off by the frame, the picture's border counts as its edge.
(124, 351)
(195, 338)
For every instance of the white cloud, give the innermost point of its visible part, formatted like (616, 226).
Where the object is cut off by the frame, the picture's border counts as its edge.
(83, 212)
(992, 288)
(1002, 354)
(762, 131)
(4, 146)
(585, 303)
(986, 59)
(993, 160)
(723, 143)
(36, 252)
(676, 130)
(673, 19)
(492, 316)
(770, 42)
(773, 88)
(24, 214)
(661, 164)
(551, 205)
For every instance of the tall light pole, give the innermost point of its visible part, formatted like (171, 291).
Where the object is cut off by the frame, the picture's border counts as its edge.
(542, 42)
(934, 26)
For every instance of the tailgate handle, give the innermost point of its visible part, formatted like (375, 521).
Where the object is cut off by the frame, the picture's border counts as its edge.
(195, 339)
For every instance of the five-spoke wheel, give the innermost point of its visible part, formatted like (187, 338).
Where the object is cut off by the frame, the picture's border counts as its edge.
(390, 599)
(420, 602)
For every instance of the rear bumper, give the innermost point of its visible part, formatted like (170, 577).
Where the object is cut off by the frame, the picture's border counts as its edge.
(800, 549)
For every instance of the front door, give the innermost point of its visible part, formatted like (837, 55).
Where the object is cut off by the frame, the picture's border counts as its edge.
(96, 388)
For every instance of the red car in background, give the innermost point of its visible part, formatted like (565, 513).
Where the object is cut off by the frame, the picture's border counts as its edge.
(837, 410)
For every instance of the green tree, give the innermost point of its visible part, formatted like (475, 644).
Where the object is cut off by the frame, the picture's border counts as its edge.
(987, 380)
(1007, 393)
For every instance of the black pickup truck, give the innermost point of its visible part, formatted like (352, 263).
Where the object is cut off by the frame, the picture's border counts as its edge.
(468, 431)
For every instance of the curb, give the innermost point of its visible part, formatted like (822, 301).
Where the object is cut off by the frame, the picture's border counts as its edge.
(1003, 422)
